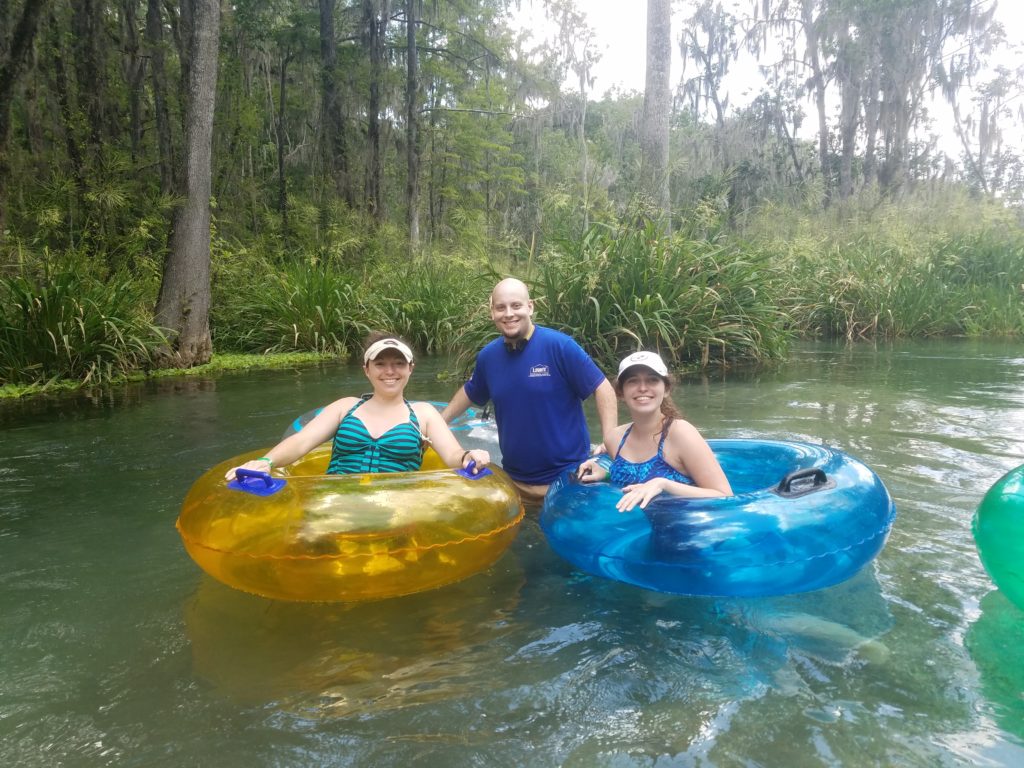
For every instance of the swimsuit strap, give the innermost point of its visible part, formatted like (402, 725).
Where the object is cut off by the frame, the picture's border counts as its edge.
(622, 442)
(362, 399)
(414, 420)
(412, 413)
(664, 437)
(661, 442)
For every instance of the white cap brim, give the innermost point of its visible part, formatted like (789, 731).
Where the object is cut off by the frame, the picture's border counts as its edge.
(379, 346)
(647, 360)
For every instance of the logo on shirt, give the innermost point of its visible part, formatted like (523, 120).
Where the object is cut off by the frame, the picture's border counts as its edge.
(539, 370)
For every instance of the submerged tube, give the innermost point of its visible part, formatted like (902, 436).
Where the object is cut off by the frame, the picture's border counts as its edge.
(348, 537)
(803, 517)
(998, 528)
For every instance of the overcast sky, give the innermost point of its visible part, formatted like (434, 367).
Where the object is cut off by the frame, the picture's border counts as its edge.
(621, 30)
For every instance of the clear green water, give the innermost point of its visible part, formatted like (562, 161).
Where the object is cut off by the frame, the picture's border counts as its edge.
(116, 650)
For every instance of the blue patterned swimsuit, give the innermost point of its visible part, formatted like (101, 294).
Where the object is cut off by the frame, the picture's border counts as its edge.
(625, 472)
(400, 449)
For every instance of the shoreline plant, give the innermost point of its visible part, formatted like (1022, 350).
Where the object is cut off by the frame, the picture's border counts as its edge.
(865, 270)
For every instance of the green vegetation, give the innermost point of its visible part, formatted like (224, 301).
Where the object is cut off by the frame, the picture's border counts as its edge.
(297, 307)
(951, 267)
(623, 288)
(378, 165)
(70, 325)
(742, 294)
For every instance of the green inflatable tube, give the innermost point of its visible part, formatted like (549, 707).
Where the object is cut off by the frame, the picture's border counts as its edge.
(998, 528)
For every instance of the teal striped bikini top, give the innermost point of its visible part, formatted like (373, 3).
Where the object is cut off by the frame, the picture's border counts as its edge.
(400, 449)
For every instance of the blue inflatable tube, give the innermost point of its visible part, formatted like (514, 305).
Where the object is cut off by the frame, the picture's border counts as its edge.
(804, 517)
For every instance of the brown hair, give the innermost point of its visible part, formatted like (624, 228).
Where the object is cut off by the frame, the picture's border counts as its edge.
(669, 410)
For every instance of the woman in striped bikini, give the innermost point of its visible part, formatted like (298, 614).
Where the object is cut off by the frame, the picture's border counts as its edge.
(659, 452)
(380, 432)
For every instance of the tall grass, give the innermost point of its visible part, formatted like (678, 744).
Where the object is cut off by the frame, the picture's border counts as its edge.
(299, 307)
(905, 270)
(427, 302)
(70, 325)
(621, 289)
(866, 268)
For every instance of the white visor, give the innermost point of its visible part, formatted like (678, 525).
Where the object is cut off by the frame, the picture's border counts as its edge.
(379, 346)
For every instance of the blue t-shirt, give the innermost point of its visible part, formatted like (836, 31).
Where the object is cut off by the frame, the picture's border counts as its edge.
(538, 392)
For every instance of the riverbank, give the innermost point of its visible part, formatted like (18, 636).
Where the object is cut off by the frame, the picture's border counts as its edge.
(737, 296)
(219, 364)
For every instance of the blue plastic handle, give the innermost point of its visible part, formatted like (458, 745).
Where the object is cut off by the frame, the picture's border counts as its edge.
(467, 472)
(255, 482)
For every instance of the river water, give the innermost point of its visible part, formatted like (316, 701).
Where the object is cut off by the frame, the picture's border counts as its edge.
(115, 649)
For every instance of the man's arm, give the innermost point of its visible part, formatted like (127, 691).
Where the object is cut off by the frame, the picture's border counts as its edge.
(607, 409)
(459, 403)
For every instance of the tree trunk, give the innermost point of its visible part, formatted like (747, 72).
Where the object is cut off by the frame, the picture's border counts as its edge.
(183, 307)
(432, 166)
(12, 64)
(412, 105)
(654, 171)
(282, 178)
(376, 22)
(155, 45)
(584, 72)
(810, 25)
(872, 115)
(90, 65)
(849, 74)
(134, 72)
(335, 143)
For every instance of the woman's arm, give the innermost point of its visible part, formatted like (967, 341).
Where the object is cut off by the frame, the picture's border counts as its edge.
(437, 431)
(591, 470)
(294, 447)
(689, 452)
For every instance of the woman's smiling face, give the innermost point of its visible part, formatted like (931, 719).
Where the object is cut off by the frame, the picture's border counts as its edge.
(643, 390)
(389, 371)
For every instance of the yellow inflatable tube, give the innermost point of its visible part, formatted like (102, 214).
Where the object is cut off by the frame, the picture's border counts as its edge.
(348, 537)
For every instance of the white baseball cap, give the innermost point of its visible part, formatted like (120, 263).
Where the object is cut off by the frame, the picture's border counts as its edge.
(379, 346)
(646, 359)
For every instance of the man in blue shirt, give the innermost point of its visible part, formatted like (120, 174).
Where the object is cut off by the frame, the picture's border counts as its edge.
(537, 379)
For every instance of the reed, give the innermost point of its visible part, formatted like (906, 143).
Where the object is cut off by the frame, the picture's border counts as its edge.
(427, 302)
(618, 289)
(71, 325)
(904, 270)
(299, 307)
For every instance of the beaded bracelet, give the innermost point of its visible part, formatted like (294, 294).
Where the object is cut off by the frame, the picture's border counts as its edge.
(270, 461)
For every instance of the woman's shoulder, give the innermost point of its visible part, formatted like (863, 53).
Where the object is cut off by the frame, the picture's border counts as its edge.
(423, 409)
(681, 431)
(342, 404)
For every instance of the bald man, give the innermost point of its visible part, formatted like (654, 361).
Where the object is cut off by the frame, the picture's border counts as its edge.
(537, 379)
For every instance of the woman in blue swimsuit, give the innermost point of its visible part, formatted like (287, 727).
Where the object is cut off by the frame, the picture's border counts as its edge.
(659, 452)
(380, 432)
